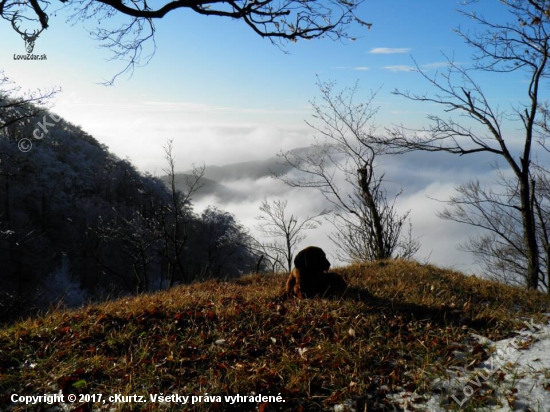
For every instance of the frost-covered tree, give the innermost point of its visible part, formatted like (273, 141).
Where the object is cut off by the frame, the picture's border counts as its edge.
(222, 245)
(16, 107)
(122, 231)
(60, 288)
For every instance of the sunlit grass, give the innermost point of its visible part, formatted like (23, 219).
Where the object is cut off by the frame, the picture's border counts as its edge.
(222, 338)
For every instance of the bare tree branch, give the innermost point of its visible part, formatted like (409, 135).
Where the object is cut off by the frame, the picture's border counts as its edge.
(16, 107)
(521, 44)
(275, 223)
(278, 20)
(368, 227)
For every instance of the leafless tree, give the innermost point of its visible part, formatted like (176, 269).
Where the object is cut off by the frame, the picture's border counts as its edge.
(176, 218)
(138, 237)
(224, 247)
(494, 208)
(287, 232)
(277, 20)
(368, 225)
(521, 45)
(542, 208)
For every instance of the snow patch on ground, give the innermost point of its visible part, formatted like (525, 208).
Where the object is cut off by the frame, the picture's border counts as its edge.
(515, 377)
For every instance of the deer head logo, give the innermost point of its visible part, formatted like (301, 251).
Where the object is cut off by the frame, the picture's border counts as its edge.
(29, 39)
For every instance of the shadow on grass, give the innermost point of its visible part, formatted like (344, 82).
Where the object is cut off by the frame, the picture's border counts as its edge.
(442, 316)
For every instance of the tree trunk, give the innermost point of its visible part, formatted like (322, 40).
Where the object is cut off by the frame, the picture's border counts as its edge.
(529, 233)
(375, 215)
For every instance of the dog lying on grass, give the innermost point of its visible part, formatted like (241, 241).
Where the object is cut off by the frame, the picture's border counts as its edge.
(310, 278)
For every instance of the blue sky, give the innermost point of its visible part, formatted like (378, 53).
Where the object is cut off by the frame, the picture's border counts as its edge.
(226, 95)
(215, 73)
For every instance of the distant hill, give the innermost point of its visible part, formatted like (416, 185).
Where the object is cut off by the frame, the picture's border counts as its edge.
(216, 178)
(245, 170)
(209, 187)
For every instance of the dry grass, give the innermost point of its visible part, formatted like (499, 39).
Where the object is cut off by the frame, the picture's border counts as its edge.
(397, 329)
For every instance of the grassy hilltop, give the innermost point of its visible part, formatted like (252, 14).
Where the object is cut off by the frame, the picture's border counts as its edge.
(219, 338)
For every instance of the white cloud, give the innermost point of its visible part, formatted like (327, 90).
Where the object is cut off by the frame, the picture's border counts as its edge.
(201, 133)
(361, 68)
(423, 178)
(435, 65)
(389, 50)
(188, 107)
(400, 68)
(439, 238)
(302, 203)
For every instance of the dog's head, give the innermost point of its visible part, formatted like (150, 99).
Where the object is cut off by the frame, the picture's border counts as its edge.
(311, 259)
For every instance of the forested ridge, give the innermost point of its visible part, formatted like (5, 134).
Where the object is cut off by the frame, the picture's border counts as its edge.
(79, 223)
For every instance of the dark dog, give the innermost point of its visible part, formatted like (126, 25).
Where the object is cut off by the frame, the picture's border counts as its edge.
(309, 277)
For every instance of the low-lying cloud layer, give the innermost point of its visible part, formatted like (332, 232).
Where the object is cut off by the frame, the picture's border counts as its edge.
(422, 176)
(425, 179)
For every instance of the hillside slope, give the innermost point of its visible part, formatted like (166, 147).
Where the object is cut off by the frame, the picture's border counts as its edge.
(401, 325)
(78, 223)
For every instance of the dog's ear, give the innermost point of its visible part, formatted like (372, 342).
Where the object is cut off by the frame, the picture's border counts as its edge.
(326, 262)
(300, 260)
(318, 259)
